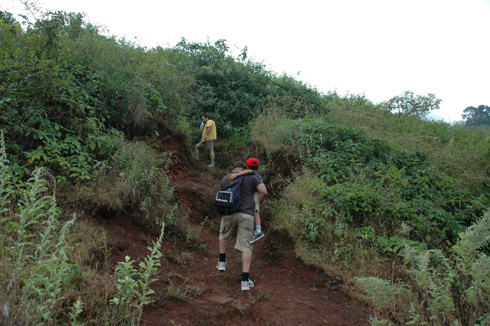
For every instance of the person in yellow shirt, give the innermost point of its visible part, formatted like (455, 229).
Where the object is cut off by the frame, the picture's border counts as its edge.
(208, 138)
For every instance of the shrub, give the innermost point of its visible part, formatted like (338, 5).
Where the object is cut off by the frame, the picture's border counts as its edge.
(133, 181)
(369, 183)
(133, 285)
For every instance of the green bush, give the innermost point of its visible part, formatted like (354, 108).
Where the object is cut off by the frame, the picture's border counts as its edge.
(458, 151)
(370, 183)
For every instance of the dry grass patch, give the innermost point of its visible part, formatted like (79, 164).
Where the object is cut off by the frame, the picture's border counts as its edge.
(184, 291)
(238, 307)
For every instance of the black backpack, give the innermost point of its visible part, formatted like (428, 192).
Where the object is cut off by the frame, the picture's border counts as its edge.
(228, 198)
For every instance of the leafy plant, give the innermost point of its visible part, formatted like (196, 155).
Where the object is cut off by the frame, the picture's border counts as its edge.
(133, 285)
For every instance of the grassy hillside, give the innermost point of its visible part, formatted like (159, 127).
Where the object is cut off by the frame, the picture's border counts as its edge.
(383, 217)
(395, 206)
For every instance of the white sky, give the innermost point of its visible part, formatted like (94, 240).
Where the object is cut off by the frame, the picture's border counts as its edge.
(379, 48)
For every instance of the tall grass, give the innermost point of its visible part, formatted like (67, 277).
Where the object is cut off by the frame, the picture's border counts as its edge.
(462, 152)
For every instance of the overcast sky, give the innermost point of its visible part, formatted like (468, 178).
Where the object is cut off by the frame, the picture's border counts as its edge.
(379, 48)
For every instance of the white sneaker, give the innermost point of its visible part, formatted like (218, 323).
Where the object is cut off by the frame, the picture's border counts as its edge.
(247, 285)
(211, 165)
(221, 266)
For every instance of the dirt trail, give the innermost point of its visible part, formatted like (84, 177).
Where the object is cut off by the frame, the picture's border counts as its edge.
(190, 291)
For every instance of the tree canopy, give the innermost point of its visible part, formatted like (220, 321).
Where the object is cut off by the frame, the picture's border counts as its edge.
(477, 116)
(410, 104)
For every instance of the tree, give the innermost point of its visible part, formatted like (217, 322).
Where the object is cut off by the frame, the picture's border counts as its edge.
(477, 116)
(410, 104)
(7, 18)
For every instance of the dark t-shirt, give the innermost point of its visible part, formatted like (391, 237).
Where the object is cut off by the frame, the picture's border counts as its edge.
(258, 175)
(249, 185)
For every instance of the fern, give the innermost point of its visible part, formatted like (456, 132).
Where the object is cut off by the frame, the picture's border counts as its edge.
(445, 282)
(475, 264)
(478, 293)
(474, 238)
(380, 292)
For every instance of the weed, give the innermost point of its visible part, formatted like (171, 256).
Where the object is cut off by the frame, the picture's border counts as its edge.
(258, 297)
(34, 248)
(195, 290)
(133, 284)
(238, 307)
(184, 291)
(177, 293)
(181, 257)
(134, 180)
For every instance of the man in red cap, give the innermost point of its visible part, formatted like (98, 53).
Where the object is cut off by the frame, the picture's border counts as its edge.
(253, 166)
(242, 219)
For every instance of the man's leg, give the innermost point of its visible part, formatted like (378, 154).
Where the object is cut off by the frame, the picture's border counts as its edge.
(247, 283)
(225, 234)
(196, 149)
(211, 156)
(222, 255)
(246, 261)
(223, 245)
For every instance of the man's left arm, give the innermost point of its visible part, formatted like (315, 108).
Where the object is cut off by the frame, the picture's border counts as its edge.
(262, 192)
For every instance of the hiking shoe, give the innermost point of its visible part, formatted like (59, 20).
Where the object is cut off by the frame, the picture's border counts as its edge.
(221, 266)
(211, 165)
(257, 236)
(247, 285)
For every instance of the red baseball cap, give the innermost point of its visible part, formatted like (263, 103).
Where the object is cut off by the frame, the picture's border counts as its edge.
(252, 162)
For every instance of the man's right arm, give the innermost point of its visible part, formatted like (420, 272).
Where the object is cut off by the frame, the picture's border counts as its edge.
(233, 176)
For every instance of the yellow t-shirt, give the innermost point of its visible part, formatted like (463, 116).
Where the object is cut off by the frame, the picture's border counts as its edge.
(212, 134)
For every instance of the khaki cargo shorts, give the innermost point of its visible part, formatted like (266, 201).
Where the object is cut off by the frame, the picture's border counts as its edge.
(209, 145)
(245, 223)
